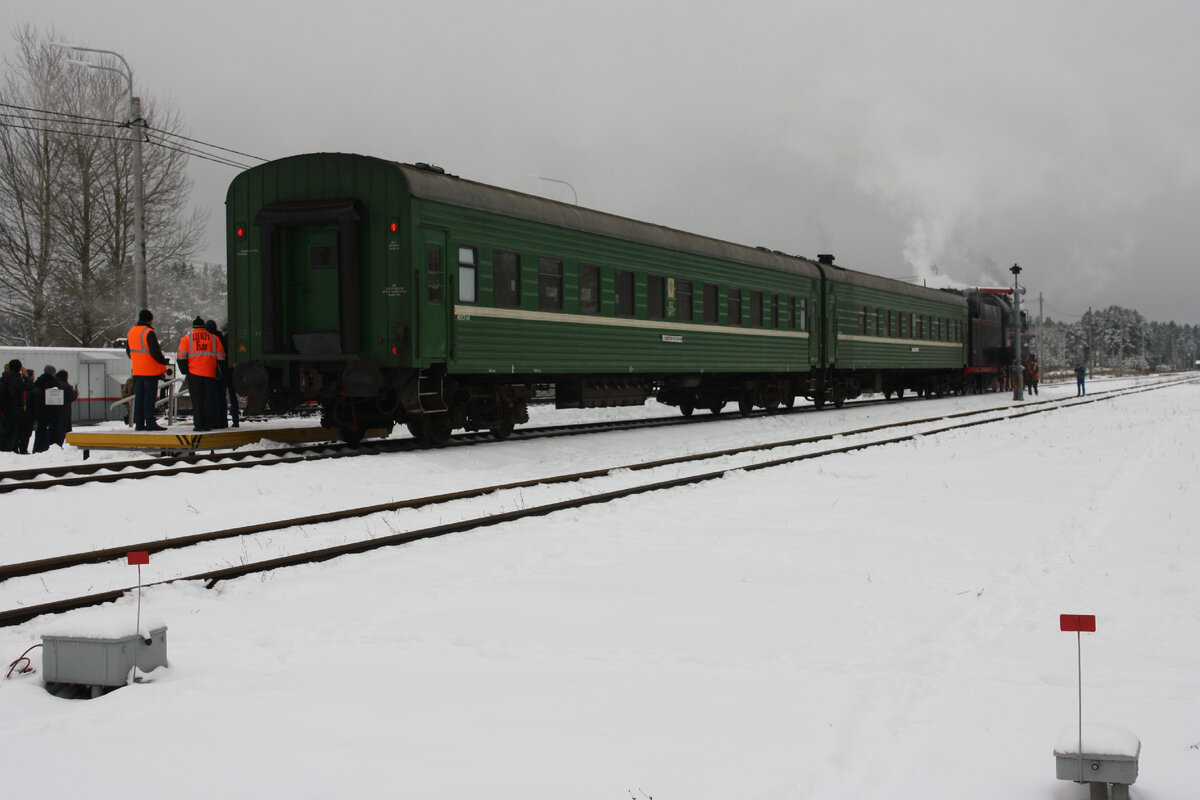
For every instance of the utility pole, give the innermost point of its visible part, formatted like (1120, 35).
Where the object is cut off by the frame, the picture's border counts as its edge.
(1041, 321)
(1018, 370)
(136, 133)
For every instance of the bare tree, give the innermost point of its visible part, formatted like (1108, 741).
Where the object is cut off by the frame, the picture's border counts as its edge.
(66, 198)
(31, 187)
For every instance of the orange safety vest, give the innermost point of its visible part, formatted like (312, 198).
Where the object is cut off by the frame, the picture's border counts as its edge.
(201, 351)
(144, 364)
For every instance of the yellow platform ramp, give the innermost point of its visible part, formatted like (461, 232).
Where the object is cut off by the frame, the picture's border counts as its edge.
(180, 437)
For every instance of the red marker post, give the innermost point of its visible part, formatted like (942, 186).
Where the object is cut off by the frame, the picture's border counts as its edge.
(139, 557)
(1078, 623)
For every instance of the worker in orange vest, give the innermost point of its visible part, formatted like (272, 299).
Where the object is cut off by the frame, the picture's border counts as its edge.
(201, 357)
(149, 365)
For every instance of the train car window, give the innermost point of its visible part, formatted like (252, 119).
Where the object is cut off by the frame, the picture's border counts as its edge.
(506, 279)
(550, 283)
(468, 281)
(862, 320)
(623, 287)
(803, 322)
(936, 323)
(733, 310)
(683, 297)
(879, 322)
(901, 332)
(589, 289)
(889, 331)
(433, 272)
(791, 323)
(774, 311)
(710, 303)
(656, 300)
(756, 305)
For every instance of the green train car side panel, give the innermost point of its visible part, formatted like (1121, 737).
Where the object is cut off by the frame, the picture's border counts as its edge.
(500, 340)
(527, 339)
(872, 328)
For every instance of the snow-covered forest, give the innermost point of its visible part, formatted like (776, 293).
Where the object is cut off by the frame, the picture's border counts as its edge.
(1119, 339)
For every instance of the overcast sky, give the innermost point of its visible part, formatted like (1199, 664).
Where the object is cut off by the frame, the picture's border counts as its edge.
(945, 140)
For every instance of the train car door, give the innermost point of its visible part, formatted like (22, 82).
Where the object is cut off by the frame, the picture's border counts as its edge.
(829, 325)
(310, 275)
(432, 295)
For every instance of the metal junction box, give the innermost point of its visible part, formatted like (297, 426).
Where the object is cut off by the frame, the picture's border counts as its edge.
(1109, 756)
(92, 661)
(1097, 768)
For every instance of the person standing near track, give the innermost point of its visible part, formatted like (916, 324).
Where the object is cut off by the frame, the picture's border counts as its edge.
(1080, 374)
(149, 365)
(201, 357)
(45, 412)
(226, 402)
(15, 389)
(69, 395)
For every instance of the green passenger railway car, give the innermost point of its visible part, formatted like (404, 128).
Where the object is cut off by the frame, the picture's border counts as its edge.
(393, 292)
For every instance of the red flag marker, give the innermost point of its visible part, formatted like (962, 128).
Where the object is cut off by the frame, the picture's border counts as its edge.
(143, 557)
(1077, 622)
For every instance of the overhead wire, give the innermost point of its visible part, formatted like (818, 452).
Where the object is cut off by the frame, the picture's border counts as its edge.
(82, 134)
(49, 117)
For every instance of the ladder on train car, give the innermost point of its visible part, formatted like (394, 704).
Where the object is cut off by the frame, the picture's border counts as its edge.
(429, 391)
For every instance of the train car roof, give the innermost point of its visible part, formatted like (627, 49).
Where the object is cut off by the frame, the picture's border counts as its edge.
(429, 184)
(855, 278)
(433, 183)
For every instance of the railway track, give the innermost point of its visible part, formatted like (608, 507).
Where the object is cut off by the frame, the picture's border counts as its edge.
(863, 440)
(133, 469)
(83, 474)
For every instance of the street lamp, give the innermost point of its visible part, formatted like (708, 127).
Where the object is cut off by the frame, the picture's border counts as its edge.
(1018, 370)
(136, 133)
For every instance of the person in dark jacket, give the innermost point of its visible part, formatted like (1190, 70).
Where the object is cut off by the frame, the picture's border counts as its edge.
(149, 365)
(227, 401)
(44, 413)
(15, 388)
(1080, 374)
(70, 394)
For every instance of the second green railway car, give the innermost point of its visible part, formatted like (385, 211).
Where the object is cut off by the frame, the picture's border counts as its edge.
(394, 292)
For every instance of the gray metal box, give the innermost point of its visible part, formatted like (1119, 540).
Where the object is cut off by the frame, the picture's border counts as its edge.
(1097, 768)
(92, 661)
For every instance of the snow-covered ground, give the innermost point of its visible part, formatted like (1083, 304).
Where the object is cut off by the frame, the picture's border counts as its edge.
(880, 624)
